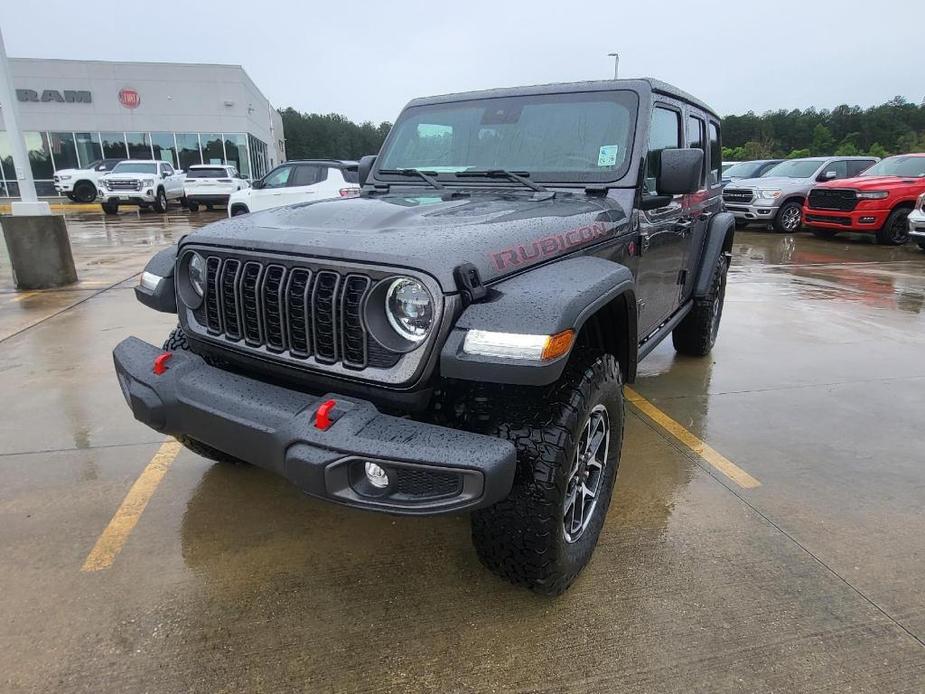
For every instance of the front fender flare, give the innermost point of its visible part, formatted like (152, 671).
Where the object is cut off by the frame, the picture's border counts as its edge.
(544, 301)
(163, 297)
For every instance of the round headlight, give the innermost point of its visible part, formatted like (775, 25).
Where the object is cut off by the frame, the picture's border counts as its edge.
(197, 273)
(409, 308)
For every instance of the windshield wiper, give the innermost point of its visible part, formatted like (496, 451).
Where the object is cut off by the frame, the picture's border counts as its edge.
(425, 175)
(516, 176)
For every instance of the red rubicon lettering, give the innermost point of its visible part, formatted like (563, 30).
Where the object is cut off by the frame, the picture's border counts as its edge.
(547, 246)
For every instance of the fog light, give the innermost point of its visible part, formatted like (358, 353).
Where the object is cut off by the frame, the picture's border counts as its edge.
(377, 476)
(867, 220)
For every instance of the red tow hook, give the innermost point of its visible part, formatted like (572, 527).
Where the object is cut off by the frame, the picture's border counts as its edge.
(160, 363)
(323, 419)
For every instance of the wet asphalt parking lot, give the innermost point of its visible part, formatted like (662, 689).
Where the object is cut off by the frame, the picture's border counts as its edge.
(767, 532)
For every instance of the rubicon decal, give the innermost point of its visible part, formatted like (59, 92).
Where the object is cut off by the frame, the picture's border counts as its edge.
(547, 246)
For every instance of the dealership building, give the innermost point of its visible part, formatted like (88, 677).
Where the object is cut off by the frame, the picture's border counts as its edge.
(73, 112)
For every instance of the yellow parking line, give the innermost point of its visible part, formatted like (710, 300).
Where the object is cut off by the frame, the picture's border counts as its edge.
(112, 540)
(702, 449)
(24, 295)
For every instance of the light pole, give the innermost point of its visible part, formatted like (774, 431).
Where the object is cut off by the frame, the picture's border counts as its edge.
(616, 64)
(30, 203)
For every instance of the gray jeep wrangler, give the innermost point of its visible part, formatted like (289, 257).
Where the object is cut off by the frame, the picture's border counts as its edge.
(456, 339)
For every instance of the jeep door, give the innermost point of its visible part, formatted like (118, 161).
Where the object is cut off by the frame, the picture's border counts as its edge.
(664, 233)
(707, 201)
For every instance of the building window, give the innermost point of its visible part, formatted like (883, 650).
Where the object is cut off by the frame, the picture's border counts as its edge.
(39, 155)
(213, 151)
(63, 151)
(258, 157)
(88, 148)
(188, 150)
(114, 145)
(139, 146)
(236, 153)
(165, 149)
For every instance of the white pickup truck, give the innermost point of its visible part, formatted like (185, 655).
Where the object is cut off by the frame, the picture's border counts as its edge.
(81, 185)
(211, 184)
(142, 182)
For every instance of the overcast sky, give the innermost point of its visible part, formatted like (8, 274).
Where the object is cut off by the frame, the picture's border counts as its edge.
(366, 60)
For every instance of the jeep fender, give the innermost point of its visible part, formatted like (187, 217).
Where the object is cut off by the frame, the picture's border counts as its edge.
(719, 240)
(163, 297)
(544, 301)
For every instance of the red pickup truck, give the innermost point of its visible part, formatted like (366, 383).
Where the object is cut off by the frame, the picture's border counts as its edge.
(876, 202)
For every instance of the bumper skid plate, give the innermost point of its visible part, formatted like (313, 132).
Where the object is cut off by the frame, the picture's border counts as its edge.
(430, 469)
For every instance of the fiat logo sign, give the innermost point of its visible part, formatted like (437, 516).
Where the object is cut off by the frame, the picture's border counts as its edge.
(129, 98)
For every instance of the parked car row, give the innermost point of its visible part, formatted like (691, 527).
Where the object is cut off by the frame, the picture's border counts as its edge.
(155, 184)
(833, 194)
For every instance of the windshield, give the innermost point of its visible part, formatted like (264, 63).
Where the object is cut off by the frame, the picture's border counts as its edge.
(554, 137)
(747, 169)
(796, 168)
(208, 173)
(135, 167)
(913, 167)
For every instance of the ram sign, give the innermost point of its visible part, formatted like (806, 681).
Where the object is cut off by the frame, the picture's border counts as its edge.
(67, 96)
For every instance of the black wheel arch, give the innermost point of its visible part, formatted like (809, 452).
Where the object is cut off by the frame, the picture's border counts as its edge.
(593, 296)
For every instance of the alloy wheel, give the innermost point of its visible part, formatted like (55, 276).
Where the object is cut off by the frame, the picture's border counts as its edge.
(791, 218)
(586, 476)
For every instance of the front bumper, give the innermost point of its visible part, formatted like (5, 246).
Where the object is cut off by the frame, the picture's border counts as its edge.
(856, 221)
(64, 188)
(432, 469)
(751, 212)
(133, 197)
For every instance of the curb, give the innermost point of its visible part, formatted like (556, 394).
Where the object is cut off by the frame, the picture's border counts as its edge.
(61, 207)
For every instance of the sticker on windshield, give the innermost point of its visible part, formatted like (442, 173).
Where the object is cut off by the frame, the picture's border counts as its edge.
(608, 155)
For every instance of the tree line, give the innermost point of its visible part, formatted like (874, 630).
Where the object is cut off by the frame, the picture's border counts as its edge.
(330, 136)
(895, 127)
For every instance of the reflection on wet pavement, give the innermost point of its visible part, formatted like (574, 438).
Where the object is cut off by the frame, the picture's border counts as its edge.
(232, 580)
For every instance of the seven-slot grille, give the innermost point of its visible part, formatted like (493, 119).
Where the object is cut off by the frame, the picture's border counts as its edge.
(833, 199)
(305, 312)
(739, 195)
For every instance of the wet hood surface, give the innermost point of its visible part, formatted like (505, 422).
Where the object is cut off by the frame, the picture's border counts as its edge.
(498, 232)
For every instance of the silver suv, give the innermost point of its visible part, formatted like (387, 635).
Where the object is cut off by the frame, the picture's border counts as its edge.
(777, 197)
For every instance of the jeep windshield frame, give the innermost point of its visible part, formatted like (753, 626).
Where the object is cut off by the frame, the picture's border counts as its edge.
(570, 138)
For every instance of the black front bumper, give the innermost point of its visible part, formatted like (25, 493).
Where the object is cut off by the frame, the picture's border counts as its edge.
(432, 469)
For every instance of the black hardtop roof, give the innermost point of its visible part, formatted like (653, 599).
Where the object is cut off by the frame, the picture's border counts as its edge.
(641, 84)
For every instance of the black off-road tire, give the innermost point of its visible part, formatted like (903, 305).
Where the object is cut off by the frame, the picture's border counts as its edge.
(110, 207)
(176, 342)
(523, 537)
(160, 201)
(824, 233)
(741, 223)
(84, 192)
(895, 232)
(696, 334)
(192, 206)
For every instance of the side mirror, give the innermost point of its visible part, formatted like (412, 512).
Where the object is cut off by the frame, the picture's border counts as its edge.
(257, 185)
(679, 171)
(364, 167)
(828, 176)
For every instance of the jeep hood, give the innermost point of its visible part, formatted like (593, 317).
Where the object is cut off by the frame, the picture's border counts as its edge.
(499, 233)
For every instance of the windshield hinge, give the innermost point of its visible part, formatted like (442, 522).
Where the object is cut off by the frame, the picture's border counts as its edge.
(469, 283)
(597, 191)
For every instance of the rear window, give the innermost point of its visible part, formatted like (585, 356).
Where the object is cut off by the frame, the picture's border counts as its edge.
(208, 173)
(350, 175)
